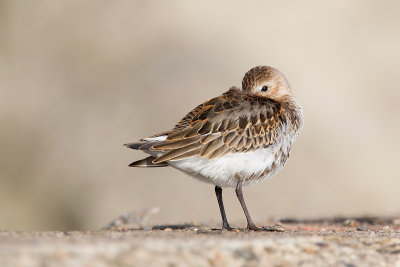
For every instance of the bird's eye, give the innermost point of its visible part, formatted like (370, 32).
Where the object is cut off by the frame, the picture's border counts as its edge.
(264, 89)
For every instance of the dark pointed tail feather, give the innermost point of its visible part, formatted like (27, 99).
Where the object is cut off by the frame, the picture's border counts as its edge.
(134, 145)
(140, 145)
(147, 162)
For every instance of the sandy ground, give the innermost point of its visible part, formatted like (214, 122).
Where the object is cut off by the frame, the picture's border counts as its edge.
(331, 242)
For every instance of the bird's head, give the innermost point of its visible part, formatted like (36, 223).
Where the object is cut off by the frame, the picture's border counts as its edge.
(266, 82)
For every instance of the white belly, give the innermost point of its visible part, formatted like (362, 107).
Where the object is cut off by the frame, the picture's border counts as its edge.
(230, 168)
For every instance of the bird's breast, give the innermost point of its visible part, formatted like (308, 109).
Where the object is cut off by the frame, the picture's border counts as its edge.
(227, 170)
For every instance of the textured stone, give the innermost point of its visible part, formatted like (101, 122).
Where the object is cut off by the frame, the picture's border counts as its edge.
(303, 244)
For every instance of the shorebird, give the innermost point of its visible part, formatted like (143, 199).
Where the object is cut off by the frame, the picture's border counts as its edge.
(239, 138)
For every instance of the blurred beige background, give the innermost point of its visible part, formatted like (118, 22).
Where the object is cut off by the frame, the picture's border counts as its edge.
(80, 78)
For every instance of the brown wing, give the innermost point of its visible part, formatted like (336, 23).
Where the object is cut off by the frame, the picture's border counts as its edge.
(233, 122)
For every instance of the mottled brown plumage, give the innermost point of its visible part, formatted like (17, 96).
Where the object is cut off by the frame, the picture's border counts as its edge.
(239, 138)
(221, 125)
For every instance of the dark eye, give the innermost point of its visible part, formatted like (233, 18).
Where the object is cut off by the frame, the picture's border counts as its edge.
(264, 89)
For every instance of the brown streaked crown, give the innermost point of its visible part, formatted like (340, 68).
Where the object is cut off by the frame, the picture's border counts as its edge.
(260, 76)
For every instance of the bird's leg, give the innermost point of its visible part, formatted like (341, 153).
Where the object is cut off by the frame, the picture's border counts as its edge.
(225, 224)
(250, 223)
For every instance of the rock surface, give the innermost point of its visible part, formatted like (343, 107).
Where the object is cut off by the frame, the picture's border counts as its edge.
(335, 242)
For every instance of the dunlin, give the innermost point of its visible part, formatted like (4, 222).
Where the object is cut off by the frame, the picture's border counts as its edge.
(239, 138)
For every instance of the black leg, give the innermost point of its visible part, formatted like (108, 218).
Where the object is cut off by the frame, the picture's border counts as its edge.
(225, 224)
(250, 224)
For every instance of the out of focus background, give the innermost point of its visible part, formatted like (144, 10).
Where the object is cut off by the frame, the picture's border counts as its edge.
(80, 78)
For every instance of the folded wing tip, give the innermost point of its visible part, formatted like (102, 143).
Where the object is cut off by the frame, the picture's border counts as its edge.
(148, 162)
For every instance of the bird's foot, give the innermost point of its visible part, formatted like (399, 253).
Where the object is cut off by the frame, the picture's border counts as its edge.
(227, 228)
(275, 228)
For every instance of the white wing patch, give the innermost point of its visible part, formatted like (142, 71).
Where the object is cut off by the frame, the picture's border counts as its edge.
(158, 138)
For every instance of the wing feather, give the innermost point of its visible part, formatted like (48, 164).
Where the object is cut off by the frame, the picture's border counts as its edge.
(211, 146)
(171, 154)
(208, 138)
(176, 143)
(222, 150)
(232, 123)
